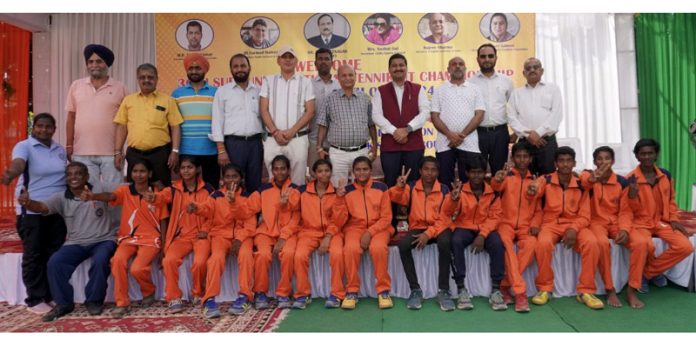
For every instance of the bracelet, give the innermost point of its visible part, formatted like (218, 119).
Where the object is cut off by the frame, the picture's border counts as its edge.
(221, 152)
(118, 153)
(175, 151)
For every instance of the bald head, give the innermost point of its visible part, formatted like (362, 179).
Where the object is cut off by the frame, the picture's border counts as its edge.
(346, 77)
(532, 71)
(456, 68)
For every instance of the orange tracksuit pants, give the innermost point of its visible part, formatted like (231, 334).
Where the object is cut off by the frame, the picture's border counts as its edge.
(643, 261)
(219, 248)
(585, 244)
(305, 246)
(602, 233)
(516, 262)
(262, 262)
(140, 269)
(174, 257)
(245, 262)
(379, 251)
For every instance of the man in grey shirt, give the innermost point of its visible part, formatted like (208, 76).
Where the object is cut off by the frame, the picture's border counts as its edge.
(89, 236)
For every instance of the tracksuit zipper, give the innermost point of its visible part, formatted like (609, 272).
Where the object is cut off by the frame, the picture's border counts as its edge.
(519, 204)
(367, 218)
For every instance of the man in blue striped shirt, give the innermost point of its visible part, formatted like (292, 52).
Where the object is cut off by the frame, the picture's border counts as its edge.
(195, 101)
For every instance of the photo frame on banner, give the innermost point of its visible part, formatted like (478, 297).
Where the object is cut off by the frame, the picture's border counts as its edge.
(438, 27)
(259, 32)
(499, 27)
(382, 29)
(194, 35)
(327, 30)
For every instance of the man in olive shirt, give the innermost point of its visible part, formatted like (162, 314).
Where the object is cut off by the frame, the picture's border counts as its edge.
(151, 121)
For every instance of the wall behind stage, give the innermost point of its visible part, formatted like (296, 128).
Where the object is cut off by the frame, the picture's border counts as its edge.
(224, 35)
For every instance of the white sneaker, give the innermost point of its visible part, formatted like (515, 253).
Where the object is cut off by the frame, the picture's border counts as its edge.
(40, 309)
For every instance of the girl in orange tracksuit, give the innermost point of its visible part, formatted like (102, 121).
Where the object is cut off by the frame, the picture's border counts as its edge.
(189, 198)
(364, 210)
(139, 236)
(515, 224)
(318, 230)
(226, 235)
(279, 205)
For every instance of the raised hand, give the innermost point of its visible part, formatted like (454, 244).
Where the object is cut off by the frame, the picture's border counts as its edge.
(456, 189)
(401, 180)
(284, 197)
(341, 189)
(533, 188)
(501, 174)
(231, 194)
(599, 173)
(86, 194)
(149, 196)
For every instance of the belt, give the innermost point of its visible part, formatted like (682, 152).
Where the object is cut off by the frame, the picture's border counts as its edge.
(350, 149)
(149, 151)
(301, 133)
(245, 138)
(491, 128)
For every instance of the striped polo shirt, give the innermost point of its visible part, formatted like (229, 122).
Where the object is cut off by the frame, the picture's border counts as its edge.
(197, 110)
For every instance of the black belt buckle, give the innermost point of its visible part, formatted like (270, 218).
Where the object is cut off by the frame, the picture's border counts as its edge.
(491, 128)
(301, 133)
(349, 149)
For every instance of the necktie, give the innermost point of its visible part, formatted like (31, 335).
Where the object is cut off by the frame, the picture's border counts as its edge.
(326, 41)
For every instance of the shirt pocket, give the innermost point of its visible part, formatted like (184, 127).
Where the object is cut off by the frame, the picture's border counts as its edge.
(547, 102)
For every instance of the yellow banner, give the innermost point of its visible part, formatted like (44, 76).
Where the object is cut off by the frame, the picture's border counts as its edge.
(362, 40)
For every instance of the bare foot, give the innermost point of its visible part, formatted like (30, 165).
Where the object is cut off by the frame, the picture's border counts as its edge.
(632, 297)
(613, 299)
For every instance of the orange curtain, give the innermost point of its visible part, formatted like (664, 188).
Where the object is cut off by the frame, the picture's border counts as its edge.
(14, 106)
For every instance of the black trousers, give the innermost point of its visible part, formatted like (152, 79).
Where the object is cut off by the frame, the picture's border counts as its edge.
(493, 144)
(41, 237)
(248, 155)
(542, 158)
(462, 238)
(392, 161)
(448, 159)
(157, 157)
(444, 258)
(210, 169)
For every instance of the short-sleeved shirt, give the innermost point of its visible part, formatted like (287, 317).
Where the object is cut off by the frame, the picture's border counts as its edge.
(321, 90)
(140, 221)
(46, 168)
(148, 118)
(86, 222)
(196, 107)
(286, 98)
(348, 118)
(94, 115)
(457, 106)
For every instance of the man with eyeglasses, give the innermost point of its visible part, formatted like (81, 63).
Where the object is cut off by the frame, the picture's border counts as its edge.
(496, 88)
(535, 112)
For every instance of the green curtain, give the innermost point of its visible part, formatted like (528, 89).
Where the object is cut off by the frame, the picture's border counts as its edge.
(666, 63)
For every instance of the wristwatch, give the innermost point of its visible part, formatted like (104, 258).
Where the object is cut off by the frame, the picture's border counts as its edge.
(409, 129)
(175, 151)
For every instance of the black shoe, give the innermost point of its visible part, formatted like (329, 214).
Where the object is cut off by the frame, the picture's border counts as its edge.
(57, 312)
(94, 308)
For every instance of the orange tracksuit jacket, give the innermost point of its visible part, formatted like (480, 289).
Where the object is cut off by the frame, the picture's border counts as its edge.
(426, 210)
(481, 215)
(366, 209)
(564, 209)
(519, 210)
(653, 210)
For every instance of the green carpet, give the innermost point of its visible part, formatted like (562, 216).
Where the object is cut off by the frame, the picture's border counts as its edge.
(669, 309)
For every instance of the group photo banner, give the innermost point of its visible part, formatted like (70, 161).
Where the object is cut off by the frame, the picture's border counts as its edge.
(363, 40)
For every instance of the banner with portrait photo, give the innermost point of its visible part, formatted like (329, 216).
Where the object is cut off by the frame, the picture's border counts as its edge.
(363, 40)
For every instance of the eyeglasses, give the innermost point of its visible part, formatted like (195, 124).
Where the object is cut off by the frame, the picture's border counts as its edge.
(532, 67)
(381, 23)
(489, 56)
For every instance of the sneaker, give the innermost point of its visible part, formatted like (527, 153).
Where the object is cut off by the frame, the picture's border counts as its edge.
(284, 302)
(496, 301)
(176, 306)
(260, 301)
(332, 302)
(211, 309)
(148, 301)
(195, 301)
(644, 286)
(443, 298)
(659, 281)
(541, 298)
(590, 301)
(94, 308)
(415, 300)
(240, 306)
(57, 312)
(350, 302)
(40, 309)
(507, 296)
(119, 312)
(301, 302)
(384, 301)
(464, 300)
(521, 304)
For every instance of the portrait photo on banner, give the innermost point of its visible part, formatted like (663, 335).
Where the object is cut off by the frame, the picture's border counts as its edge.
(260, 32)
(438, 27)
(382, 28)
(499, 27)
(327, 30)
(194, 35)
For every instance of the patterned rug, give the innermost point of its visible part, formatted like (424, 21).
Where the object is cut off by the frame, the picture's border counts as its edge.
(154, 319)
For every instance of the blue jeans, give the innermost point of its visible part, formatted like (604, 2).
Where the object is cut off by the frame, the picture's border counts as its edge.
(64, 262)
(462, 238)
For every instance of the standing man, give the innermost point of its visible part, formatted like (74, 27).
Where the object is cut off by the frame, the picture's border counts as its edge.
(496, 89)
(91, 104)
(326, 38)
(194, 35)
(457, 110)
(536, 111)
(150, 120)
(195, 101)
(347, 117)
(323, 86)
(287, 107)
(400, 109)
(237, 127)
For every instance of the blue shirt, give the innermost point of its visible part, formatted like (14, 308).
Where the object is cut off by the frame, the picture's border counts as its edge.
(197, 110)
(46, 167)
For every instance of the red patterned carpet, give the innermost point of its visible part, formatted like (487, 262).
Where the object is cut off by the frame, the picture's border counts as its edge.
(154, 319)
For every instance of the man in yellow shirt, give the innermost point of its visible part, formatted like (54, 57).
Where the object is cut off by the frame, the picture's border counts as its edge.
(151, 121)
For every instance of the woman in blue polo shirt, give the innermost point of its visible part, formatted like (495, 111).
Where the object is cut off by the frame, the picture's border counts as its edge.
(39, 162)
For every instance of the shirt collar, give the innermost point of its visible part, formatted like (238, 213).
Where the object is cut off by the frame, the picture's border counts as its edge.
(34, 142)
(526, 85)
(190, 86)
(479, 74)
(154, 93)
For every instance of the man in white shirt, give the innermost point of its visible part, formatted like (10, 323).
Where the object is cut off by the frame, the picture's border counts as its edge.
(323, 85)
(237, 128)
(536, 111)
(287, 107)
(496, 89)
(457, 109)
